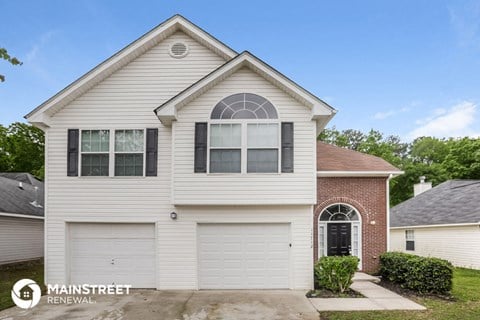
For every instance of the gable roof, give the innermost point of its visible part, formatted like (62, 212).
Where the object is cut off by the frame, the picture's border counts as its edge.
(337, 161)
(40, 115)
(16, 200)
(320, 110)
(451, 202)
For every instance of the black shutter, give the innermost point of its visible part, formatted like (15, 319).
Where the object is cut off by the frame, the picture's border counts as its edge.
(287, 146)
(151, 153)
(200, 147)
(72, 153)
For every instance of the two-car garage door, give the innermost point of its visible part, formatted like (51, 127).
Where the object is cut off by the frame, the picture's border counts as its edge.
(106, 253)
(230, 256)
(243, 256)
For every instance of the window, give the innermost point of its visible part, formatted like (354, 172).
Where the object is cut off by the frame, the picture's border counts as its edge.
(129, 147)
(95, 152)
(248, 139)
(125, 154)
(410, 240)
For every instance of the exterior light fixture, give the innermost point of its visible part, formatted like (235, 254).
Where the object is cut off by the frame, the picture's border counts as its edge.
(173, 215)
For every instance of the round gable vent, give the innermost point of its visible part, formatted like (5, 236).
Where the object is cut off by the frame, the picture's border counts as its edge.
(178, 50)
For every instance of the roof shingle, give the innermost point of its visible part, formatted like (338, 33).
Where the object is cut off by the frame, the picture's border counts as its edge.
(14, 199)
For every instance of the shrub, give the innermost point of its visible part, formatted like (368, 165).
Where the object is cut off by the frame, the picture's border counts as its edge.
(335, 273)
(421, 274)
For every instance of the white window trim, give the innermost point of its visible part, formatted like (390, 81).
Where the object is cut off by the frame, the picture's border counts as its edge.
(111, 153)
(244, 147)
(324, 224)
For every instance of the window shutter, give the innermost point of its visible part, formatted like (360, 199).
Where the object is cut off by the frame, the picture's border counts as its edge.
(287, 146)
(151, 153)
(72, 153)
(200, 164)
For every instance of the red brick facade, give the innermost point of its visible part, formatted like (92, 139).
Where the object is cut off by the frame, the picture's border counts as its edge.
(368, 196)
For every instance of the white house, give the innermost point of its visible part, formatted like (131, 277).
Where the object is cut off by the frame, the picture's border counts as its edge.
(442, 222)
(21, 217)
(180, 164)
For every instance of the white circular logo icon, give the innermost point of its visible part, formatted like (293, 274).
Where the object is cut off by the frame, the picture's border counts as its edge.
(26, 293)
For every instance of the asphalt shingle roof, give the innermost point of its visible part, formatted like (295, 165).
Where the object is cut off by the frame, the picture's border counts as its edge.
(454, 201)
(14, 199)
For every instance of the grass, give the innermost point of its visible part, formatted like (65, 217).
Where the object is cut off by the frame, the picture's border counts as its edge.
(466, 304)
(10, 274)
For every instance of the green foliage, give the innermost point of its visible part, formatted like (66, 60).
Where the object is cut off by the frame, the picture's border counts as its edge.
(22, 149)
(437, 159)
(335, 273)
(12, 60)
(421, 274)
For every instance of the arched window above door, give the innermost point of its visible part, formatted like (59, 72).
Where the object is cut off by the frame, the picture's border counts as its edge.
(339, 212)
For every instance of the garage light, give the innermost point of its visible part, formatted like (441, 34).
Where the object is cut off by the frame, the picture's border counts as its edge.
(173, 215)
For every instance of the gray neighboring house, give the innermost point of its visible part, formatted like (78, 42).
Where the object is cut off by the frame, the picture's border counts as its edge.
(21, 217)
(441, 222)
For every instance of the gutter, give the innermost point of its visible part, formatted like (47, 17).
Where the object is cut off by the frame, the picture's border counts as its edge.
(17, 215)
(389, 174)
(438, 225)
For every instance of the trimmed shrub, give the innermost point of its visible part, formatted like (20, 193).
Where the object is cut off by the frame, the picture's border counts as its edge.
(421, 274)
(335, 273)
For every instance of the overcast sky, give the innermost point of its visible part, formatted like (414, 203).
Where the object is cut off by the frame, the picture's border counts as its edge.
(408, 68)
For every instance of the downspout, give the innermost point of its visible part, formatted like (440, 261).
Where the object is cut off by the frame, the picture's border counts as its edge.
(388, 210)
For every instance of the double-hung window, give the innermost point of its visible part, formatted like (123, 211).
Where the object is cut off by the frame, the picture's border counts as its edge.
(410, 240)
(94, 150)
(262, 147)
(129, 148)
(225, 147)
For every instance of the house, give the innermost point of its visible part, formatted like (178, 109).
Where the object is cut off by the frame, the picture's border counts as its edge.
(351, 215)
(442, 222)
(21, 217)
(179, 163)
(26, 293)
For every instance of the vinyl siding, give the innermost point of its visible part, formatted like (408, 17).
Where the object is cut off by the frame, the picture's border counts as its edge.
(459, 245)
(177, 250)
(20, 239)
(126, 99)
(253, 188)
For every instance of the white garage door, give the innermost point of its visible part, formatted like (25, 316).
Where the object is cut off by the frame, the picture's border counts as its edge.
(243, 256)
(102, 253)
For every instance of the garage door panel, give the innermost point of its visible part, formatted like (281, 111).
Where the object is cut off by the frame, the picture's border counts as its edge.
(243, 256)
(112, 253)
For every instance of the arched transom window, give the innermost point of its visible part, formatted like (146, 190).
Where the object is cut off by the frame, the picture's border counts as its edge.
(244, 106)
(339, 212)
(244, 135)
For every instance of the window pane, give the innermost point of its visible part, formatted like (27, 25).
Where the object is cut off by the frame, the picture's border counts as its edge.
(95, 140)
(224, 160)
(129, 140)
(225, 135)
(94, 164)
(262, 160)
(129, 164)
(262, 135)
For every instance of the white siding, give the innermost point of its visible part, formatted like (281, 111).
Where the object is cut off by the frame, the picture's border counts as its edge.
(177, 250)
(20, 239)
(287, 188)
(126, 99)
(459, 245)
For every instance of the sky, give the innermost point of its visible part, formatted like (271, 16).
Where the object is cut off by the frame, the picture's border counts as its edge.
(407, 68)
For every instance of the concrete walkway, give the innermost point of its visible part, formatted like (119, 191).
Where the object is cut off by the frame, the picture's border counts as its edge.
(376, 298)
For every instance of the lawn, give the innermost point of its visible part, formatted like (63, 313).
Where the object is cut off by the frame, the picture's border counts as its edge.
(12, 273)
(466, 304)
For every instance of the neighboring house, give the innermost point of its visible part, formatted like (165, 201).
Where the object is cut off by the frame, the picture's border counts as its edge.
(442, 222)
(180, 164)
(21, 217)
(351, 215)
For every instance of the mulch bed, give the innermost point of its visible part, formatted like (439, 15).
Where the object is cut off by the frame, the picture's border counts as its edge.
(324, 293)
(410, 293)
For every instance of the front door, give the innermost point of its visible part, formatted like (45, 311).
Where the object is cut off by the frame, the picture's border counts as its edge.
(339, 239)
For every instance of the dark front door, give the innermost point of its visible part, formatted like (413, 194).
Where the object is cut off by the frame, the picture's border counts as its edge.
(339, 239)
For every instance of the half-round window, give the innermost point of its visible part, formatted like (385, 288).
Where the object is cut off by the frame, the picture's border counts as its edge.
(339, 212)
(244, 106)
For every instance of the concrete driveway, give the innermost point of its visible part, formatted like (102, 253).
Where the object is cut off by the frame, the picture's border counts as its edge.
(181, 305)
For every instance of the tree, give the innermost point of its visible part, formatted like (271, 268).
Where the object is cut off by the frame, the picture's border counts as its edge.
(12, 60)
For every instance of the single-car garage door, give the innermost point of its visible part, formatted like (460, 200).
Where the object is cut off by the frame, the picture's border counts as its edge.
(103, 253)
(243, 256)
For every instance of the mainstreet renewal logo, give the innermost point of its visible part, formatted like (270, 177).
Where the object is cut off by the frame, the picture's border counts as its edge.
(26, 293)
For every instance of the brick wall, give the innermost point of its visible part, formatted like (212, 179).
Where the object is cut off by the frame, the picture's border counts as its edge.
(368, 196)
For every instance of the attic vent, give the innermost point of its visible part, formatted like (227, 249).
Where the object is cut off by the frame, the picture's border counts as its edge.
(178, 50)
